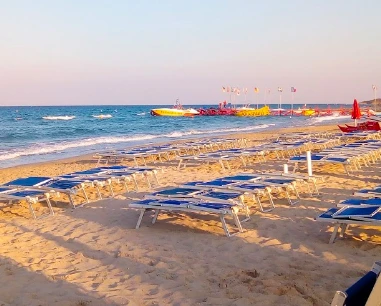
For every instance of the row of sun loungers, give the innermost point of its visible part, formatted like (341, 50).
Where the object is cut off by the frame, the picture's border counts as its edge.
(225, 196)
(281, 149)
(41, 189)
(352, 156)
(143, 155)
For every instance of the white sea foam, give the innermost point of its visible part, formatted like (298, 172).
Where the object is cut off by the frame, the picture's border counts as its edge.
(41, 149)
(101, 116)
(141, 114)
(51, 148)
(58, 117)
(316, 120)
(219, 131)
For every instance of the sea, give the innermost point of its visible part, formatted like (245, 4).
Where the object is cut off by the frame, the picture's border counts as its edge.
(30, 134)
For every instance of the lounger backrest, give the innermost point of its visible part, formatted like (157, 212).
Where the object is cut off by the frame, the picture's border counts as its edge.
(358, 293)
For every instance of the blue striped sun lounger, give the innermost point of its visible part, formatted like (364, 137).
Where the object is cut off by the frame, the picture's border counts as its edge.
(349, 215)
(31, 197)
(361, 293)
(70, 187)
(207, 195)
(220, 209)
(247, 187)
(369, 193)
(360, 202)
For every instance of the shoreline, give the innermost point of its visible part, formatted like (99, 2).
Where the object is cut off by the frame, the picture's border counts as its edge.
(258, 135)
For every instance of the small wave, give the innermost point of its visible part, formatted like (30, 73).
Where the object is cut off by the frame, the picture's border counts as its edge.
(102, 116)
(141, 114)
(316, 120)
(55, 148)
(42, 149)
(220, 131)
(58, 117)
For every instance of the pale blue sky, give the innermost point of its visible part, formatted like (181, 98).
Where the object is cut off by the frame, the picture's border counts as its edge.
(151, 52)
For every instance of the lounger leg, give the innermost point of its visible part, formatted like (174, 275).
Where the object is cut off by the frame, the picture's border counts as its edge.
(343, 229)
(154, 173)
(222, 165)
(135, 182)
(155, 216)
(50, 206)
(243, 161)
(85, 194)
(111, 189)
(179, 165)
(125, 182)
(296, 191)
(237, 222)
(98, 192)
(31, 210)
(71, 200)
(289, 198)
(140, 218)
(147, 180)
(315, 186)
(270, 199)
(224, 226)
(334, 233)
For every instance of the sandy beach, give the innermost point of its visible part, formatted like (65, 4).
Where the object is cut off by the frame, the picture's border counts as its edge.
(93, 255)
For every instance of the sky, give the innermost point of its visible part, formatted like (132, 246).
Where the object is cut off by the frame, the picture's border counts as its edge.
(70, 52)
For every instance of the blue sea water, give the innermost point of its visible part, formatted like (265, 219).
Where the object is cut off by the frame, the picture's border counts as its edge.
(31, 134)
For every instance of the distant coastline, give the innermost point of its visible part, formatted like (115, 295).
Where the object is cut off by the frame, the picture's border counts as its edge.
(372, 102)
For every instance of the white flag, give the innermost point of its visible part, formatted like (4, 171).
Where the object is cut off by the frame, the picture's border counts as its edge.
(280, 89)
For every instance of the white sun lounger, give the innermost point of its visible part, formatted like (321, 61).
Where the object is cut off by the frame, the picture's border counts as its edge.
(348, 215)
(220, 209)
(29, 195)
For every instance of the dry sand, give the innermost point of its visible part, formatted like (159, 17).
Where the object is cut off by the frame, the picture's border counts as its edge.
(94, 256)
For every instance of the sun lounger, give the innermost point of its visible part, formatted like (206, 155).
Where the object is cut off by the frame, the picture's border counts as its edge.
(238, 183)
(349, 215)
(70, 187)
(222, 159)
(298, 177)
(274, 183)
(207, 195)
(220, 209)
(30, 196)
(347, 162)
(359, 293)
(360, 202)
(369, 193)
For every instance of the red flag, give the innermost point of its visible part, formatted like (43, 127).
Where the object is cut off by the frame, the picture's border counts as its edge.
(293, 89)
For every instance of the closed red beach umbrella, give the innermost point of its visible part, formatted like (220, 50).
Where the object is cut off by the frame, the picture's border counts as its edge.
(356, 113)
